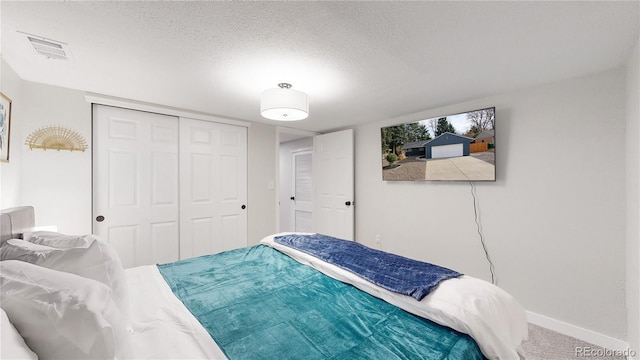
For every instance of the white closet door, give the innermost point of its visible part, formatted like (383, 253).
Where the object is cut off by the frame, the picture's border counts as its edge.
(333, 212)
(135, 184)
(213, 187)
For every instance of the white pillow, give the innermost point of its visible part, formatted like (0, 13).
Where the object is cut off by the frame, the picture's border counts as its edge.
(94, 260)
(58, 240)
(62, 315)
(13, 345)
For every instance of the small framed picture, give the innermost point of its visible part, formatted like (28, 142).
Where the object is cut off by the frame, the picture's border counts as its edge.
(5, 127)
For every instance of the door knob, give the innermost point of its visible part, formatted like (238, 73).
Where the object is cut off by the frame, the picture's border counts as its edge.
(293, 198)
(99, 218)
(243, 207)
(348, 203)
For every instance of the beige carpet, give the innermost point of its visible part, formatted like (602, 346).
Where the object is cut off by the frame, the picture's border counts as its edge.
(544, 344)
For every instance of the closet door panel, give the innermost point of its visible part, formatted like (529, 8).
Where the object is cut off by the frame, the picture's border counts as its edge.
(124, 240)
(167, 188)
(164, 189)
(233, 190)
(213, 187)
(123, 179)
(201, 235)
(229, 189)
(164, 247)
(135, 184)
(200, 176)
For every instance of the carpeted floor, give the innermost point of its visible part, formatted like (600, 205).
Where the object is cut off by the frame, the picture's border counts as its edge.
(545, 344)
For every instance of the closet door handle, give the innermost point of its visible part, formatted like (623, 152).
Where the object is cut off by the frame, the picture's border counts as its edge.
(348, 203)
(243, 207)
(99, 218)
(293, 198)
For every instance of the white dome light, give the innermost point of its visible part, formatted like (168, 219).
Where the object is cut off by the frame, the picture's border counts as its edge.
(284, 104)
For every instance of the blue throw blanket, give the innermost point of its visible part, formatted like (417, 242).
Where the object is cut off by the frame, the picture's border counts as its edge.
(389, 271)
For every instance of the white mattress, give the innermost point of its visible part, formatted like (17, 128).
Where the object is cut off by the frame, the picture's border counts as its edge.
(492, 317)
(163, 328)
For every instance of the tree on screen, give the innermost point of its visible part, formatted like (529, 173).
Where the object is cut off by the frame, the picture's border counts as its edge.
(444, 126)
(481, 120)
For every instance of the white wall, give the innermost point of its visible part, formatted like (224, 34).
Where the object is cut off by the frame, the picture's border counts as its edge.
(554, 221)
(262, 173)
(57, 183)
(10, 86)
(633, 198)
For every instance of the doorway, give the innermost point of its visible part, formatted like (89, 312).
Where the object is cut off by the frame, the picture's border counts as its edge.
(329, 208)
(295, 159)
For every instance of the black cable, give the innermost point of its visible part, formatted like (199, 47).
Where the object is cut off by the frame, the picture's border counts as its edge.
(484, 247)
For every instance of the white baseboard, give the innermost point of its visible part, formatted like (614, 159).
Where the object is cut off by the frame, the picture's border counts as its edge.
(577, 332)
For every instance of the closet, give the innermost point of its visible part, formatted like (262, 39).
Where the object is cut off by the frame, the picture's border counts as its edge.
(166, 187)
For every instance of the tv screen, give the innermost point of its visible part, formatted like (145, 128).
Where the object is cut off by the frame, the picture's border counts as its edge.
(458, 147)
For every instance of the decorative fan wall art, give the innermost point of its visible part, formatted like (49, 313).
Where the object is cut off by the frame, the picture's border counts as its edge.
(57, 138)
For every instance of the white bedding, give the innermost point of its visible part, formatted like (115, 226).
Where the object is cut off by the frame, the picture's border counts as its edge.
(163, 328)
(492, 317)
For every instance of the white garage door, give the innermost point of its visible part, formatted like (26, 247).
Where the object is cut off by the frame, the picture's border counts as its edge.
(445, 151)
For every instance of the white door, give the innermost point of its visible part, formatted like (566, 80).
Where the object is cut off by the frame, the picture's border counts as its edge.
(446, 151)
(333, 202)
(135, 184)
(302, 190)
(213, 187)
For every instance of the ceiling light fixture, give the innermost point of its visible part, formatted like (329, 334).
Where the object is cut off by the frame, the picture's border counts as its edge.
(284, 104)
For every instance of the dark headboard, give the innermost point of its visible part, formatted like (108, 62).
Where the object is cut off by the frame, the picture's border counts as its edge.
(15, 221)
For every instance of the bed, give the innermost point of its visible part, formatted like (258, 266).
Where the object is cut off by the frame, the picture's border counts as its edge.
(260, 302)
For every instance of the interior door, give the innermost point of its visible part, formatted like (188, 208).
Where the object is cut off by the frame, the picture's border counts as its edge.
(333, 175)
(135, 184)
(302, 190)
(213, 187)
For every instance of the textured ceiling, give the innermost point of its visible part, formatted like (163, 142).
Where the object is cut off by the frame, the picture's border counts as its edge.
(357, 61)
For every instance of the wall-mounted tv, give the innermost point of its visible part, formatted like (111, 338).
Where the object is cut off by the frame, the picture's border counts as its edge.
(457, 147)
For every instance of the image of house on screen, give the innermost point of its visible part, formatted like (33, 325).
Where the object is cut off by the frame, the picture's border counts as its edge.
(446, 145)
(486, 136)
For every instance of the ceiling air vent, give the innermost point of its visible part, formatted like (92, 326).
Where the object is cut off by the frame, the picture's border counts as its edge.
(50, 48)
